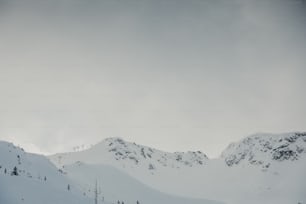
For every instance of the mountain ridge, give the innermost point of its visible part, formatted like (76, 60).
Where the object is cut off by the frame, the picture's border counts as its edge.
(267, 147)
(117, 149)
(215, 179)
(124, 150)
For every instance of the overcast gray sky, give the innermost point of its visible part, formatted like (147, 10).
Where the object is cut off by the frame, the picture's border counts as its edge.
(172, 74)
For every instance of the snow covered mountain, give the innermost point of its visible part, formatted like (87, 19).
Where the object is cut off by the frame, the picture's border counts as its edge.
(263, 168)
(265, 149)
(112, 162)
(33, 179)
(30, 179)
(115, 151)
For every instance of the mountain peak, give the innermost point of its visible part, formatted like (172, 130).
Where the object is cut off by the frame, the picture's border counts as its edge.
(262, 149)
(118, 152)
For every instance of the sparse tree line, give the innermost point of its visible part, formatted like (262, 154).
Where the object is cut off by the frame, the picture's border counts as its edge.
(16, 172)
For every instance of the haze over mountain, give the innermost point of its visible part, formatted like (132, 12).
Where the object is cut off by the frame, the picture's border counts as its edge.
(150, 71)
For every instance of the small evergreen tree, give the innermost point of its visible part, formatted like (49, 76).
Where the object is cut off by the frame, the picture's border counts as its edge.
(18, 157)
(68, 187)
(5, 171)
(45, 178)
(14, 172)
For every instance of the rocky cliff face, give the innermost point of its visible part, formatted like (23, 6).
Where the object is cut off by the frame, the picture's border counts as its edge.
(265, 149)
(138, 154)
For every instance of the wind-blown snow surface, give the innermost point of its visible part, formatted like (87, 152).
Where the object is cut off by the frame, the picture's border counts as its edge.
(262, 168)
(38, 180)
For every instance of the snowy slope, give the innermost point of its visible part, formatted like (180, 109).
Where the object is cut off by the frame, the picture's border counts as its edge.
(263, 168)
(115, 185)
(38, 180)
